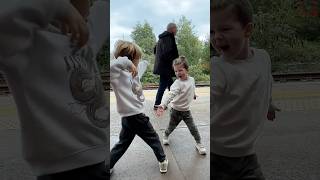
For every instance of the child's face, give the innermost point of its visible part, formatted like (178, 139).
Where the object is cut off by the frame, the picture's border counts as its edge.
(228, 35)
(180, 71)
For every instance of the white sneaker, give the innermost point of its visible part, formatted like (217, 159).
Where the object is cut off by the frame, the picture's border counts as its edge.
(201, 149)
(165, 140)
(164, 166)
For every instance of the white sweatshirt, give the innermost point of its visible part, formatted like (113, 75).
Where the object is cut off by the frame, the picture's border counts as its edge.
(181, 94)
(240, 97)
(130, 100)
(57, 89)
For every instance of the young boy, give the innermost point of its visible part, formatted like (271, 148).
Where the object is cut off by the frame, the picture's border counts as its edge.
(240, 92)
(56, 84)
(181, 94)
(126, 85)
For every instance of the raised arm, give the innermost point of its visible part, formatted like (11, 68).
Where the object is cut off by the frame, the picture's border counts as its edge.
(174, 91)
(20, 19)
(98, 21)
(218, 80)
(121, 64)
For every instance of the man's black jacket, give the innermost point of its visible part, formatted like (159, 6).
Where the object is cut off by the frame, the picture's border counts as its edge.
(165, 52)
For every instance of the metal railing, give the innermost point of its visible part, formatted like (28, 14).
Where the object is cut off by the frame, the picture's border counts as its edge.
(279, 77)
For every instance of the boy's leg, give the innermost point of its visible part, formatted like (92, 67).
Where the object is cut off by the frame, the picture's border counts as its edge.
(175, 119)
(92, 172)
(125, 139)
(187, 118)
(221, 168)
(145, 130)
(252, 170)
(240, 168)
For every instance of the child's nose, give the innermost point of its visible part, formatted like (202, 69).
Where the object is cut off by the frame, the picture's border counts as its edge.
(217, 36)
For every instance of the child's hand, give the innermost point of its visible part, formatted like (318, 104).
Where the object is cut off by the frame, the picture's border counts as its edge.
(133, 70)
(73, 23)
(272, 114)
(160, 111)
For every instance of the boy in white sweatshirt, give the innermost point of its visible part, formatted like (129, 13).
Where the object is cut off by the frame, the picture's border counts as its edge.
(48, 55)
(181, 94)
(241, 84)
(126, 85)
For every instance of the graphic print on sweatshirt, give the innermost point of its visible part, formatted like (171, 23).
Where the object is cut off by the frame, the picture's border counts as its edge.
(86, 86)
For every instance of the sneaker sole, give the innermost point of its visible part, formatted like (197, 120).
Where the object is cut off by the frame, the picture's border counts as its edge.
(165, 143)
(201, 153)
(162, 172)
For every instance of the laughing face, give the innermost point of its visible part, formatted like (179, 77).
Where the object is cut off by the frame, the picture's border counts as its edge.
(228, 35)
(180, 72)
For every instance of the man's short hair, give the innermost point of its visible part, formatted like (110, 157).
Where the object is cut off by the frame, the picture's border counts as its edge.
(170, 26)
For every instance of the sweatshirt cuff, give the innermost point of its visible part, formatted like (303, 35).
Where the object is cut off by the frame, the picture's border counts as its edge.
(126, 63)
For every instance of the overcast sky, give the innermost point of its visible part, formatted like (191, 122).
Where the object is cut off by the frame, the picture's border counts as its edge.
(158, 13)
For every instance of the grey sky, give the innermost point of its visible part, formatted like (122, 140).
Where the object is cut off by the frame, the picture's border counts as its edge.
(126, 14)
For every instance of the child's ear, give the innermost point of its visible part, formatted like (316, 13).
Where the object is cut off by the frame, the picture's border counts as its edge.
(248, 30)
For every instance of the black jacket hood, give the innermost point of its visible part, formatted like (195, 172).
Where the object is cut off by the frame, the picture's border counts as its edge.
(164, 34)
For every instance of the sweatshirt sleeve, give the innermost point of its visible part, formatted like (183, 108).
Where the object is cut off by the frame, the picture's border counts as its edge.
(20, 18)
(218, 79)
(272, 107)
(98, 22)
(118, 65)
(194, 86)
(174, 91)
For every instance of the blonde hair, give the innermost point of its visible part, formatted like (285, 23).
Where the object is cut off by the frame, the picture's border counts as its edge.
(181, 60)
(128, 49)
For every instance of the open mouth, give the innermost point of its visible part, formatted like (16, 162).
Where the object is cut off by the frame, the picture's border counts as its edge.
(224, 47)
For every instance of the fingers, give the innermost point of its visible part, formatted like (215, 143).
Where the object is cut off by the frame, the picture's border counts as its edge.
(64, 29)
(271, 116)
(74, 25)
(134, 71)
(159, 111)
(79, 33)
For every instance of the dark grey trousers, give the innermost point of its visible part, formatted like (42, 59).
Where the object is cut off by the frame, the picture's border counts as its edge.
(176, 117)
(235, 168)
(136, 125)
(92, 172)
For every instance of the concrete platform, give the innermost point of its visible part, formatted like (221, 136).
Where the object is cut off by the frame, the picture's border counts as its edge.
(139, 162)
(287, 150)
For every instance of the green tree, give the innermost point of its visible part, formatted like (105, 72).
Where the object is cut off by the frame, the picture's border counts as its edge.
(196, 51)
(288, 34)
(188, 43)
(205, 56)
(143, 36)
(103, 57)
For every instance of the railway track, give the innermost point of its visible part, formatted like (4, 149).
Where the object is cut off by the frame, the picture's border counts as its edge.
(306, 76)
(278, 77)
